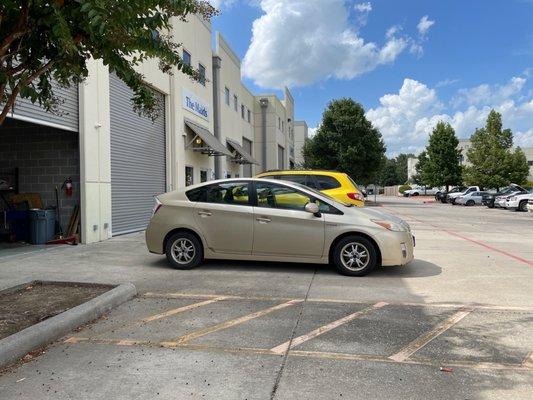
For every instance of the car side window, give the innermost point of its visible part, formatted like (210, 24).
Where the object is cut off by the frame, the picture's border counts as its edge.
(229, 193)
(271, 195)
(197, 195)
(311, 182)
(327, 182)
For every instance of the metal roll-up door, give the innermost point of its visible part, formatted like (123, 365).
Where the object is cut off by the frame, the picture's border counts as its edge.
(66, 117)
(138, 161)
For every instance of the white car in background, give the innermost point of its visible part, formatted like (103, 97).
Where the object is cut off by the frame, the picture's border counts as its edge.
(452, 197)
(421, 191)
(519, 202)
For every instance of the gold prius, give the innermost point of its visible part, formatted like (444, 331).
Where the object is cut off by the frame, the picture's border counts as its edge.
(273, 220)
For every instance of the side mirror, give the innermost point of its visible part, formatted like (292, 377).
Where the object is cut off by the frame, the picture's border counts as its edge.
(312, 208)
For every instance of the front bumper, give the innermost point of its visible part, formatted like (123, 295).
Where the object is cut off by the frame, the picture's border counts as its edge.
(511, 204)
(397, 248)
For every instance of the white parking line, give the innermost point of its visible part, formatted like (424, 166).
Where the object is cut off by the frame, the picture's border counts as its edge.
(282, 348)
(421, 341)
(229, 324)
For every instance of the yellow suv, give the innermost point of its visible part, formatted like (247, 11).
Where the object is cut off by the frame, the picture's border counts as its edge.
(335, 184)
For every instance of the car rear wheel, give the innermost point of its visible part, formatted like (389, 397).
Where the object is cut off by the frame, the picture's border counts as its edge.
(355, 256)
(184, 251)
(470, 203)
(523, 206)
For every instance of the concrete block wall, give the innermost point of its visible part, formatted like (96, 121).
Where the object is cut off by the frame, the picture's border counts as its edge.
(45, 157)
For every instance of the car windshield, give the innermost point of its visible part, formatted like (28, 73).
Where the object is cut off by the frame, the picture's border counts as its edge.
(321, 194)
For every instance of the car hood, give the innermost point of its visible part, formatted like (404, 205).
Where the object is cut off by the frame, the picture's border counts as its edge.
(376, 214)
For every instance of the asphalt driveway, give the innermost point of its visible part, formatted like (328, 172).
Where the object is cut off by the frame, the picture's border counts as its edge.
(456, 323)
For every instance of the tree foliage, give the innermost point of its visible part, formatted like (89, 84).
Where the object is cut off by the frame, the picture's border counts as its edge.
(346, 141)
(394, 170)
(441, 167)
(42, 41)
(493, 161)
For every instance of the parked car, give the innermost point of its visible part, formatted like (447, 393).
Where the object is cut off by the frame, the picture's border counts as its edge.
(451, 197)
(441, 196)
(519, 202)
(470, 199)
(421, 191)
(274, 220)
(335, 184)
(492, 200)
(530, 206)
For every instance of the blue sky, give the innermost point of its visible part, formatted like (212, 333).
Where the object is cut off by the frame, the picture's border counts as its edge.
(409, 62)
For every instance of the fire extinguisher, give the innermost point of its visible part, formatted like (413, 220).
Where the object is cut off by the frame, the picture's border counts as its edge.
(68, 186)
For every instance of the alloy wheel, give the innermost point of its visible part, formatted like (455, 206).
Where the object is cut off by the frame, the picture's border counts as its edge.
(183, 251)
(355, 256)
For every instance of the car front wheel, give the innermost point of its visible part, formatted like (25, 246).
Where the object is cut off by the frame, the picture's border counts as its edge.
(184, 251)
(523, 206)
(355, 256)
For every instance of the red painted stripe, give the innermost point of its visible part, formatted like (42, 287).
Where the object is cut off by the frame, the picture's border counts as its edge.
(479, 243)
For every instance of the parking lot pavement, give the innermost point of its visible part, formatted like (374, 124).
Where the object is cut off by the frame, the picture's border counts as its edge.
(454, 324)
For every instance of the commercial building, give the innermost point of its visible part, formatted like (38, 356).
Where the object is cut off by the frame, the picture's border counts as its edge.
(301, 134)
(118, 161)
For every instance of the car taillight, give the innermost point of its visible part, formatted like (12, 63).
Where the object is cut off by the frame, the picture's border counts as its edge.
(356, 196)
(157, 206)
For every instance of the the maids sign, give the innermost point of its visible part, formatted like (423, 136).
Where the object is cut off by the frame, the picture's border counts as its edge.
(194, 104)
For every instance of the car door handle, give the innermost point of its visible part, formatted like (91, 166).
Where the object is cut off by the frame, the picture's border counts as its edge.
(263, 220)
(205, 213)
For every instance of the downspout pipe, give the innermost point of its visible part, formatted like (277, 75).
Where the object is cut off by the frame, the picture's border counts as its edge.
(217, 63)
(264, 105)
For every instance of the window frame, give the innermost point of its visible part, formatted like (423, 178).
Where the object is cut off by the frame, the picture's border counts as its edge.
(227, 96)
(183, 57)
(319, 186)
(202, 77)
(236, 103)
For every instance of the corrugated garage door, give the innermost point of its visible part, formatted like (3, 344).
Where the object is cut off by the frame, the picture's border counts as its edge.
(67, 118)
(138, 167)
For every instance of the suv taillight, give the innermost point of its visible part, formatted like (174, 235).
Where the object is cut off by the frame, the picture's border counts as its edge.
(157, 206)
(356, 196)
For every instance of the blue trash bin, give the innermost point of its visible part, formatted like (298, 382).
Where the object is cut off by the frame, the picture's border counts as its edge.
(42, 226)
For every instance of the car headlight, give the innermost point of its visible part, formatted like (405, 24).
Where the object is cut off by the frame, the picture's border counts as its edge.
(512, 199)
(392, 226)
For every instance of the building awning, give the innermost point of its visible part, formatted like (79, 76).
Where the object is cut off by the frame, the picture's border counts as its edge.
(241, 156)
(204, 142)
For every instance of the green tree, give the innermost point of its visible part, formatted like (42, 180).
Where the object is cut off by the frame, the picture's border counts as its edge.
(401, 167)
(346, 141)
(388, 175)
(51, 40)
(493, 161)
(442, 166)
(421, 175)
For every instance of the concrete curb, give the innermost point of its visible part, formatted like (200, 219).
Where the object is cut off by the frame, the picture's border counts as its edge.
(19, 344)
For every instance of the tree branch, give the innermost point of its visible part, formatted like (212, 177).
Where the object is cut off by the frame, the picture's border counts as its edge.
(19, 31)
(12, 97)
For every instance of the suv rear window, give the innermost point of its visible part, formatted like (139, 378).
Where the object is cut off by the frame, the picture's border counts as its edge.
(327, 182)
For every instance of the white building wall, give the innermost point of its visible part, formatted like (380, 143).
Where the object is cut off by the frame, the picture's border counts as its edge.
(301, 134)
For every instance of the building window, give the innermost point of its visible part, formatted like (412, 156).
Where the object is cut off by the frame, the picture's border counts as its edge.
(249, 116)
(530, 163)
(235, 102)
(203, 176)
(201, 71)
(242, 111)
(283, 126)
(186, 58)
(226, 96)
(279, 123)
(189, 176)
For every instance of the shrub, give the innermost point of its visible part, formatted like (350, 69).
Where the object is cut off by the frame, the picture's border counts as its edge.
(403, 188)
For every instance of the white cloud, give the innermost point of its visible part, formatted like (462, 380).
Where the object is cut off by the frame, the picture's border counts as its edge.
(312, 131)
(300, 42)
(364, 7)
(424, 25)
(406, 118)
(489, 94)
(219, 4)
(446, 82)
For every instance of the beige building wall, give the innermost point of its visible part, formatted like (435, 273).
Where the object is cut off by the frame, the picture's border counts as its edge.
(236, 104)
(528, 151)
(301, 134)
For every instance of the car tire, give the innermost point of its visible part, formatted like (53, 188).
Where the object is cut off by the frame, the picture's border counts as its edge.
(470, 203)
(365, 259)
(522, 206)
(184, 251)
(415, 194)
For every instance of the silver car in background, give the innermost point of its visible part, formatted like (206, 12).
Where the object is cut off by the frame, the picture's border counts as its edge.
(471, 199)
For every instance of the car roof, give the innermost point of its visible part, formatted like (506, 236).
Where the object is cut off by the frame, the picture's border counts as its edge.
(302, 172)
